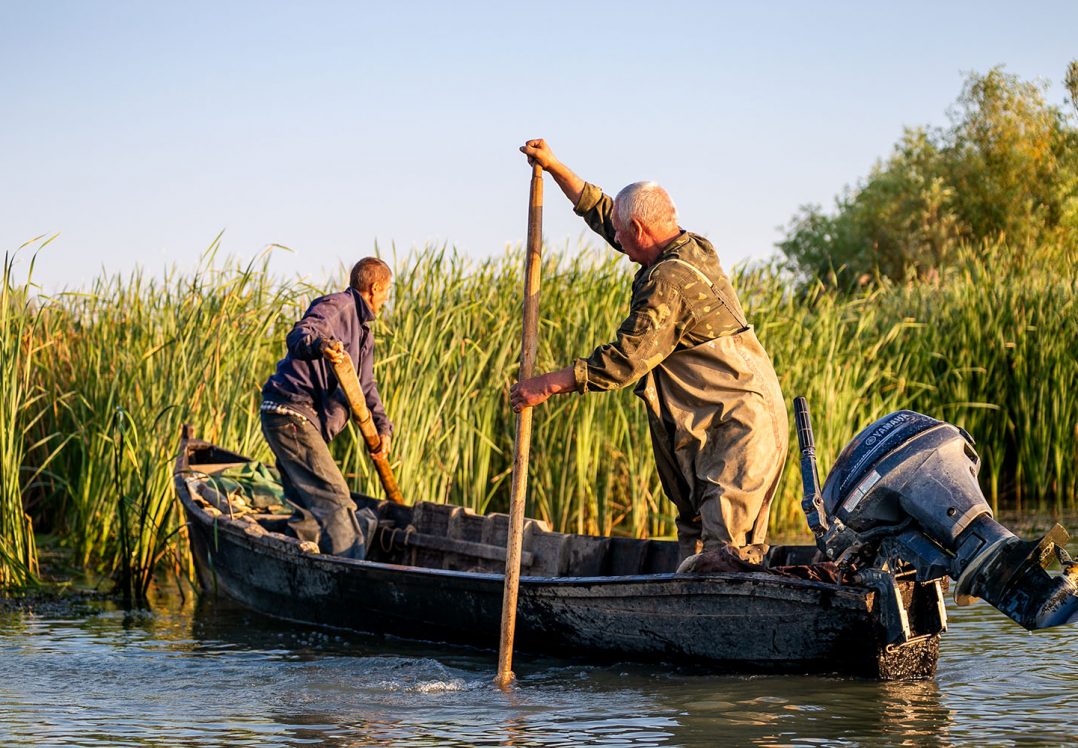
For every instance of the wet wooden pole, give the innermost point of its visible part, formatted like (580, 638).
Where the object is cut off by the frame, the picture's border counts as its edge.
(522, 445)
(346, 376)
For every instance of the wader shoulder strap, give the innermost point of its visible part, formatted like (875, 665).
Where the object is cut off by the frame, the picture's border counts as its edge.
(715, 289)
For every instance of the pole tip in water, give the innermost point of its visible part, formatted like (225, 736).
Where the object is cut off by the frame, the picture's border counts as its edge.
(505, 680)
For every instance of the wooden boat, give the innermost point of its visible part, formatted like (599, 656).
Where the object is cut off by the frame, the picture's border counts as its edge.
(435, 572)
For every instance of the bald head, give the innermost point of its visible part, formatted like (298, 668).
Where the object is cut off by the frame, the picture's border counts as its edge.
(649, 204)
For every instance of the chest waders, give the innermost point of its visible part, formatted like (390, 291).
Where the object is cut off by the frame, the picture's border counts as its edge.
(719, 431)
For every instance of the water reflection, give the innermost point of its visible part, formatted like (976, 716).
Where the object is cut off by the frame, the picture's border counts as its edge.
(211, 674)
(777, 710)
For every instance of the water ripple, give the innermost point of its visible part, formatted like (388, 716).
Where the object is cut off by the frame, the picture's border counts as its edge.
(217, 675)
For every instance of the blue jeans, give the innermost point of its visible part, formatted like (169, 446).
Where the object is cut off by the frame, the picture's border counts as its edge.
(313, 484)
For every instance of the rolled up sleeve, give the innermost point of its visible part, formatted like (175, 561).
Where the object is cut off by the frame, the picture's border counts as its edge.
(596, 207)
(580, 375)
(657, 320)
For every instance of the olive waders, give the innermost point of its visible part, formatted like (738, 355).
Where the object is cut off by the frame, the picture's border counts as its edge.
(720, 432)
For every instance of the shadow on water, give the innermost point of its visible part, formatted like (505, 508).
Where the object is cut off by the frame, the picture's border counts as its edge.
(212, 673)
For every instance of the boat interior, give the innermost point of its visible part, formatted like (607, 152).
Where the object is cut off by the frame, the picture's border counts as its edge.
(438, 536)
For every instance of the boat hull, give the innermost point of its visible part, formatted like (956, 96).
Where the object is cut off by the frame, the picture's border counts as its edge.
(732, 622)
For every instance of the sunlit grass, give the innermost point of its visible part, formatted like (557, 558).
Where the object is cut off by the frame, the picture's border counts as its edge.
(137, 358)
(130, 359)
(21, 407)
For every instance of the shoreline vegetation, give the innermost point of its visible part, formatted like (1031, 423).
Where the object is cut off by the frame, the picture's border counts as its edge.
(944, 282)
(97, 383)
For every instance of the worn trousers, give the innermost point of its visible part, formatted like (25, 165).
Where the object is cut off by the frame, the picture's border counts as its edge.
(313, 484)
(726, 497)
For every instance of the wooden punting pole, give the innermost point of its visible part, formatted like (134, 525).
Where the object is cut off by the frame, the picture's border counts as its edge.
(346, 376)
(522, 445)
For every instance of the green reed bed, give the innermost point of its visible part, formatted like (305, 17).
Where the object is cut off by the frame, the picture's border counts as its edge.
(136, 358)
(18, 345)
(999, 351)
(128, 361)
(989, 350)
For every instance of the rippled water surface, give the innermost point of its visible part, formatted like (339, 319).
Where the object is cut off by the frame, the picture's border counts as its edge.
(213, 674)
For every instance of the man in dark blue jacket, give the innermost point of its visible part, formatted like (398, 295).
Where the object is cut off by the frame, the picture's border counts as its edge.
(303, 408)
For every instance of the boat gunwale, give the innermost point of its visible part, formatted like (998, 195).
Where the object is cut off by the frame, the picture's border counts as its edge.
(667, 583)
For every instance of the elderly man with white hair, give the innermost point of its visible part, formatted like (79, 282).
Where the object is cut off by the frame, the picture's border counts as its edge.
(718, 420)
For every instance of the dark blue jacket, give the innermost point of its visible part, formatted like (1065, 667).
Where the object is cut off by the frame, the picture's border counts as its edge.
(304, 380)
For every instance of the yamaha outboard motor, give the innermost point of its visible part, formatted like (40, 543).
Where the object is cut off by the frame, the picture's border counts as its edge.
(905, 490)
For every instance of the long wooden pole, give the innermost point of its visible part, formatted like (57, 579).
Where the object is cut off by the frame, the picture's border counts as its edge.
(522, 445)
(346, 376)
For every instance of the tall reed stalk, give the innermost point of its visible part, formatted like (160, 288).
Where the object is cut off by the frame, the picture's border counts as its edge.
(20, 402)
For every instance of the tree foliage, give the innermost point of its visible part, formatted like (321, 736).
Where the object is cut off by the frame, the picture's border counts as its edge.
(1004, 172)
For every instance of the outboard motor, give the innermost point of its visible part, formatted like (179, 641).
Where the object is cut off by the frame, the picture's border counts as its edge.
(905, 489)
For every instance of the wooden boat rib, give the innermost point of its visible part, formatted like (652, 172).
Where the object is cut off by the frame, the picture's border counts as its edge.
(434, 572)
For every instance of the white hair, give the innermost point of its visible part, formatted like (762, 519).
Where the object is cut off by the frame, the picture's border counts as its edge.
(647, 203)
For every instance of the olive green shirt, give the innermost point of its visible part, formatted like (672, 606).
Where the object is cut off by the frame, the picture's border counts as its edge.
(672, 305)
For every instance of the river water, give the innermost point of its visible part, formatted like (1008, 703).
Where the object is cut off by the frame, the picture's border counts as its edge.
(209, 674)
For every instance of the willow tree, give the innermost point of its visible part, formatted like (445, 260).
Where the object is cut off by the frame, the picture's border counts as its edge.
(1004, 173)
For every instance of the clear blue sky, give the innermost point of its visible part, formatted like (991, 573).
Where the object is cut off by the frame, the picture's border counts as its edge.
(139, 130)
